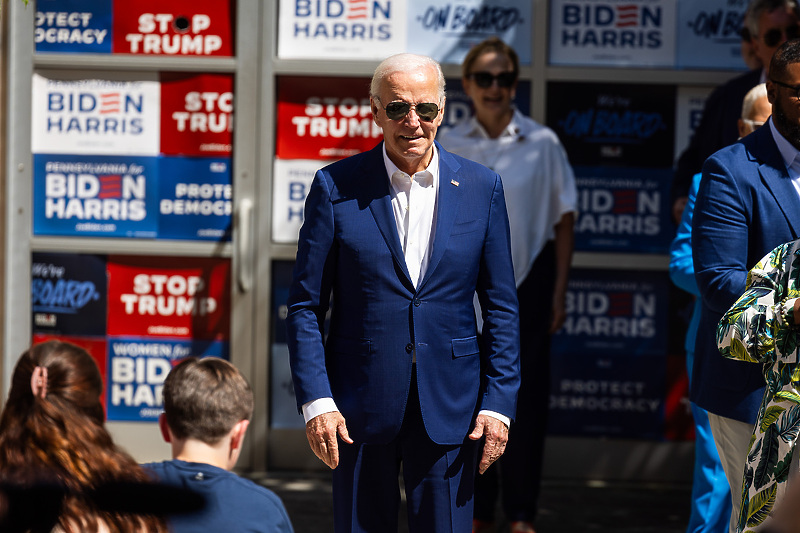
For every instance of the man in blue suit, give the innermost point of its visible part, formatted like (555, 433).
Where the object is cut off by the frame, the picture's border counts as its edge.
(748, 203)
(768, 24)
(403, 236)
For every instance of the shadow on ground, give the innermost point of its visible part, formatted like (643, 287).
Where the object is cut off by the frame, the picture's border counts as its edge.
(565, 507)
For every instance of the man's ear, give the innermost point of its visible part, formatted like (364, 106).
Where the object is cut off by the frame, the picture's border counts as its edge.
(162, 425)
(771, 91)
(237, 435)
(742, 128)
(374, 108)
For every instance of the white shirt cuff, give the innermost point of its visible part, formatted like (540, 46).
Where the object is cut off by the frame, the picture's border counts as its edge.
(502, 418)
(317, 407)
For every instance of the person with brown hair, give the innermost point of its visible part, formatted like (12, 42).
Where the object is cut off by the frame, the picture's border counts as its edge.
(52, 433)
(207, 408)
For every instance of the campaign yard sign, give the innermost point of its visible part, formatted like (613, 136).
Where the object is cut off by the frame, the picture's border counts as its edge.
(98, 196)
(119, 116)
(638, 33)
(612, 312)
(68, 294)
(609, 364)
(614, 123)
(690, 103)
(447, 29)
(195, 198)
(708, 34)
(196, 114)
(137, 369)
(73, 26)
(341, 29)
(623, 210)
(174, 28)
(291, 182)
(324, 118)
(601, 396)
(163, 297)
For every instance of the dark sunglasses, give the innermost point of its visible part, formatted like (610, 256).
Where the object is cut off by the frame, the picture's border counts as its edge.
(795, 88)
(774, 36)
(484, 80)
(427, 111)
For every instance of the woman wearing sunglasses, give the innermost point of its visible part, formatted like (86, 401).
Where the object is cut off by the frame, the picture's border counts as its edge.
(541, 201)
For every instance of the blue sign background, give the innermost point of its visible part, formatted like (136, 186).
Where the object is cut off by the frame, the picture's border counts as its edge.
(614, 124)
(78, 222)
(614, 312)
(134, 388)
(186, 185)
(68, 294)
(623, 210)
(73, 26)
(620, 396)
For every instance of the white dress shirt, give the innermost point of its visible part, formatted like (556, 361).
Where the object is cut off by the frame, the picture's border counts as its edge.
(414, 206)
(538, 180)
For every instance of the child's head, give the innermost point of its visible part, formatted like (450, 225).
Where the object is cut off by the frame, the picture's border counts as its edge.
(205, 398)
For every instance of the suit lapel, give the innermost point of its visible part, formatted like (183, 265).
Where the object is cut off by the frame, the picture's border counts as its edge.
(446, 209)
(380, 204)
(776, 178)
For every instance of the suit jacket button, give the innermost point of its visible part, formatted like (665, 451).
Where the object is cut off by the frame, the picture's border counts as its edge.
(409, 348)
(416, 302)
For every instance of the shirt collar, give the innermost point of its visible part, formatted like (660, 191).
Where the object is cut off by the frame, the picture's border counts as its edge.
(512, 129)
(788, 152)
(433, 166)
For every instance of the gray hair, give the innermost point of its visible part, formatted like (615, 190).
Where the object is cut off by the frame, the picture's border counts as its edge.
(405, 63)
(756, 93)
(757, 7)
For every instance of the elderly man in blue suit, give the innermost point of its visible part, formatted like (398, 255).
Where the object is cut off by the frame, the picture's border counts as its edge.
(403, 236)
(748, 203)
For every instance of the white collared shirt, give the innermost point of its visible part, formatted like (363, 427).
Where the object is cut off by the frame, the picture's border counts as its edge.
(789, 154)
(414, 207)
(538, 181)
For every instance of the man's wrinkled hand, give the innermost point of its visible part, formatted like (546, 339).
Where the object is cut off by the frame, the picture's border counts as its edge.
(496, 433)
(322, 431)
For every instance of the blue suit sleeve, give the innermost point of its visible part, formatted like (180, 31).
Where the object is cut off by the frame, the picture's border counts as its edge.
(719, 237)
(497, 294)
(309, 296)
(681, 264)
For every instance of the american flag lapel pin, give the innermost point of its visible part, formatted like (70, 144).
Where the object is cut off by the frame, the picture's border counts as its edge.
(454, 182)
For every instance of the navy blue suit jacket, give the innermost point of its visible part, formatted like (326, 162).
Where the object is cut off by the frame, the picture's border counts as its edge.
(746, 206)
(349, 246)
(718, 128)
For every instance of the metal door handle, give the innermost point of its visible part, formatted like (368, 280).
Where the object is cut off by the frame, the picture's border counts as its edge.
(244, 246)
